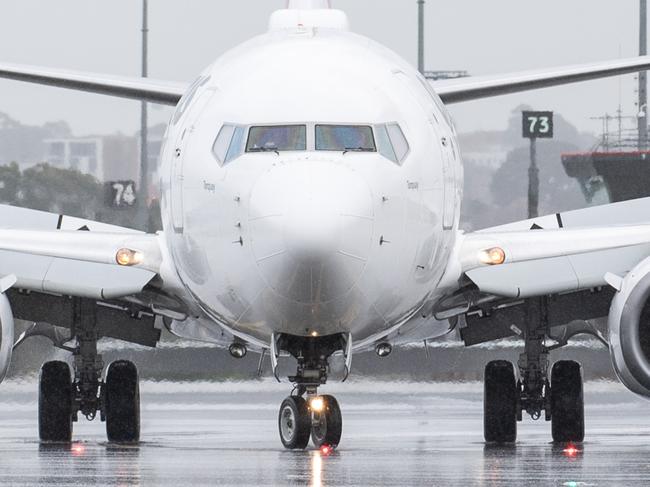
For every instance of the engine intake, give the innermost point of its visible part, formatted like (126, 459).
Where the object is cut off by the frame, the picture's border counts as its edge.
(6, 326)
(629, 330)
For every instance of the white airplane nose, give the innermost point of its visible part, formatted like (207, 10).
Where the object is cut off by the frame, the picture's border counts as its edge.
(311, 226)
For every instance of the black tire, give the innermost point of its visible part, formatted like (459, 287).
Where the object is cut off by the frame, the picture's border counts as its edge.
(294, 423)
(500, 403)
(567, 402)
(328, 424)
(122, 402)
(55, 403)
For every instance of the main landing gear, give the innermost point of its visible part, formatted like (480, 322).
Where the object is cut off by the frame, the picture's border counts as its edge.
(560, 398)
(63, 395)
(304, 413)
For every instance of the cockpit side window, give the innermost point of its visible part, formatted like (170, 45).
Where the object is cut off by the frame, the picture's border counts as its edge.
(352, 138)
(229, 144)
(188, 97)
(222, 144)
(397, 138)
(391, 142)
(277, 138)
(384, 144)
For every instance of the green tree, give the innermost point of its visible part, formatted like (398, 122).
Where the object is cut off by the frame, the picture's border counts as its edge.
(66, 191)
(9, 183)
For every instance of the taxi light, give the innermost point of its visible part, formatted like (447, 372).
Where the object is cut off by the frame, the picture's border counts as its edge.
(128, 257)
(317, 404)
(493, 256)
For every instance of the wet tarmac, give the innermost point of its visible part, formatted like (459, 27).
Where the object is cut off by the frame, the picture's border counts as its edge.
(395, 434)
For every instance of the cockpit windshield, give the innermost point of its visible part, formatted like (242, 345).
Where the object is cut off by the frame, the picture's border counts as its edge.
(387, 139)
(345, 138)
(276, 138)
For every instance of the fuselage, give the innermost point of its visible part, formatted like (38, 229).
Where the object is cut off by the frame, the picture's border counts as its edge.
(314, 237)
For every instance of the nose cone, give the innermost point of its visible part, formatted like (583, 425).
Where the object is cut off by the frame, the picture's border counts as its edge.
(312, 227)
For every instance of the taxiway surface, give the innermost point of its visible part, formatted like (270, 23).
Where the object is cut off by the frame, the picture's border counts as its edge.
(395, 434)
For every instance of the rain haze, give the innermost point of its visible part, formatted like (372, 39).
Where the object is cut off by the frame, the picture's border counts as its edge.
(480, 37)
(307, 280)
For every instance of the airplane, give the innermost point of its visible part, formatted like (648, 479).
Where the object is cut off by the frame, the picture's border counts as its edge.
(311, 185)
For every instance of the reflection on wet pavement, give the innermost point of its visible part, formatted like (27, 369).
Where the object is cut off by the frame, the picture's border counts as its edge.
(410, 434)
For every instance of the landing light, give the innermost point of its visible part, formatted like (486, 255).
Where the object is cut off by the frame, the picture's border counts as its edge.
(128, 257)
(493, 256)
(316, 404)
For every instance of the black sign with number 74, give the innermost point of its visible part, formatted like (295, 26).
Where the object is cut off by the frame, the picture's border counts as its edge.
(120, 194)
(538, 125)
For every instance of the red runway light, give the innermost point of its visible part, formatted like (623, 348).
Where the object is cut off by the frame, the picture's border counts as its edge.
(570, 451)
(326, 449)
(77, 449)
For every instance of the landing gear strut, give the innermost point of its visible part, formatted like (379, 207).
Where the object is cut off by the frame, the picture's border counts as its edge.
(304, 413)
(63, 396)
(560, 398)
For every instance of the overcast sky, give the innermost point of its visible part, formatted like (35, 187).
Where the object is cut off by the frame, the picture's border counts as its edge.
(481, 37)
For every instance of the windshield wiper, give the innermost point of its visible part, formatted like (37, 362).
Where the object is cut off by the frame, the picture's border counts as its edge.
(358, 149)
(264, 149)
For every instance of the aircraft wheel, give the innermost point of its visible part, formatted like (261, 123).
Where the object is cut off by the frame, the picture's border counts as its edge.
(500, 403)
(567, 402)
(122, 402)
(55, 403)
(328, 424)
(294, 423)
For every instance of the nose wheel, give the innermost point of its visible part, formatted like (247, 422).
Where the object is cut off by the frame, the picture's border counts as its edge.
(294, 423)
(327, 425)
(319, 418)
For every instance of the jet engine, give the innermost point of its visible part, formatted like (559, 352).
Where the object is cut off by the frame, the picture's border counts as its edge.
(6, 326)
(629, 328)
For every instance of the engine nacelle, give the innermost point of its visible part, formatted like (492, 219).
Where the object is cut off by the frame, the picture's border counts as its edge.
(6, 326)
(629, 329)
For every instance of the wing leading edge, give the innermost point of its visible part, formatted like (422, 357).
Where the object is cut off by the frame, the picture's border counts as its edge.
(560, 253)
(475, 88)
(72, 256)
(144, 89)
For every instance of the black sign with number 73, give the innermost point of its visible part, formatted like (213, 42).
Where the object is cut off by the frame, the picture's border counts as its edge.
(538, 125)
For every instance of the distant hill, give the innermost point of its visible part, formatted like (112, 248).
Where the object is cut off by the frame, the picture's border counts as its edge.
(24, 143)
(496, 173)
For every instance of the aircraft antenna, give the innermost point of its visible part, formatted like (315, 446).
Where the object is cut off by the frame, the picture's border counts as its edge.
(308, 4)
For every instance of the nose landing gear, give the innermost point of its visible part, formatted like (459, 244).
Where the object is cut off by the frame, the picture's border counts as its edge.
(305, 413)
(320, 417)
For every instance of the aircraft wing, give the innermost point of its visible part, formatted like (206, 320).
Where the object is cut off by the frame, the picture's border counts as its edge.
(474, 88)
(74, 257)
(558, 253)
(145, 89)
